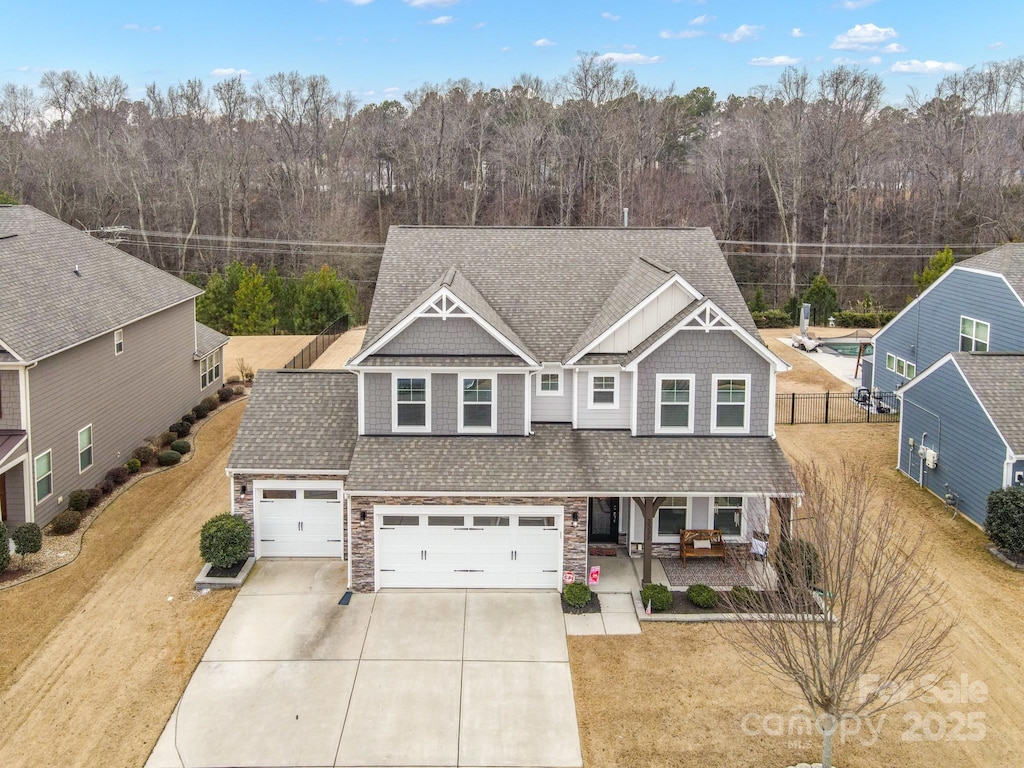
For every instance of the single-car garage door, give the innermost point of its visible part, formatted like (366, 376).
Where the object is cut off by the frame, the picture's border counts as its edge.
(301, 519)
(468, 546)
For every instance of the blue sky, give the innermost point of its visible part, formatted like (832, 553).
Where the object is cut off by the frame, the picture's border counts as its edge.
(381, 48)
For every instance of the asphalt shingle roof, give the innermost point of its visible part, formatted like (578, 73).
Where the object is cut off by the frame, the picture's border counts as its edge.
(45, 306)
(448, 361)
(996, 377)
(558, 459)
(208, 340)
(1007, 260)
(551, 286)
(298, 420)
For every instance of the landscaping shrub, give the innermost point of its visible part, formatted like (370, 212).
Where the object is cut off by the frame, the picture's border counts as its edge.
(239, 390)
(189, 418)
(798, 563)
(66, 522)
(133, 466)
(576, 595)
(225, 540)
(225, 393)
(28, 539)
(233, 380)
(658, 596)
(772, 318)
(117, 475)
(1004, 520)
(78, 500)
(211, 402)
(181, 446)
(851, 319)
(168, 458)
(702, 596)
(167, 438)
(200, 411)
(107, 486)
(742, 596)
(5, 550)
(180, 428)
(144, 454)
(95, 495)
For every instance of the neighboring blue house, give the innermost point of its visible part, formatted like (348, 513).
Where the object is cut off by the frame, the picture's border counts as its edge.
(975, 306)
(962, 427)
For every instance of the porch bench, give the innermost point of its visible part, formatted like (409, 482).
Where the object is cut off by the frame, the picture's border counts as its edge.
(687, 549)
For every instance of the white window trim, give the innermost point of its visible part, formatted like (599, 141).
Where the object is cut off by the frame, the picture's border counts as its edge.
(974, 336)
(212, 364)
(493, 428)
(658, 538)
(36, 479)
(548, 393)
(394, 401)
(715, 429)
(591, 405)
(92, 450)
(118, 341)
(688, 429)
(713, 507)
(890, 362)
(897, 362)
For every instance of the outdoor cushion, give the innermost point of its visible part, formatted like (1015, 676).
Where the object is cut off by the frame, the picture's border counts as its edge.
(702, 544)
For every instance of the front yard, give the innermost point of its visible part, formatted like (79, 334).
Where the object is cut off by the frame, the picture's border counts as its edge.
(680, 695)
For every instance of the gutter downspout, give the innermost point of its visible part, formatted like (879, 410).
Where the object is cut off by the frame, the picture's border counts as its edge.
(26, 422)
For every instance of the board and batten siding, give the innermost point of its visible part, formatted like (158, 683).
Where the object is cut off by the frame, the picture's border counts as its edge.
(931, 326)
(972, 455)
(10, 400)
(604, 418)
(704, 354)
(645, 322)
(127, 398)
(450, 336)
(552, 408)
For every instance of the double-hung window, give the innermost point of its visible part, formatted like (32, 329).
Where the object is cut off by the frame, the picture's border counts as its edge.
(973, 335)
(732, 404)
(44, 475)
(672, 517)
(209, 369)
(604, 390)
(84, 448)
(476, 407)
(729, 515)
(411, 411)
(549, 383)
(675, 403)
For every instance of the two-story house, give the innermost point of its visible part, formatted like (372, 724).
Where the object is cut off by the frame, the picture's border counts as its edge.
(521, 393)
(98, 351)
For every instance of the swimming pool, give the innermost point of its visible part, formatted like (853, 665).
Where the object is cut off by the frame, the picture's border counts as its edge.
(846, 348)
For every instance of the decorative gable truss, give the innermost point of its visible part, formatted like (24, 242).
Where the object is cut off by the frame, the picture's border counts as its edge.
(708, 317)
(444, 306)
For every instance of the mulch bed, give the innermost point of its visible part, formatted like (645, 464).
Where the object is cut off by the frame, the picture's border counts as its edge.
(227, 573)
(682, 605)
(594, 606)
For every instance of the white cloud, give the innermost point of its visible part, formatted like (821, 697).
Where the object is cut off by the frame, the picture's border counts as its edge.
(700, 20)
(480, 25)
(797, 32)
(863, 37)
(998, 44)
(683, 34)
(442, 20)
(360, 2)
(629, 58)
(229, 72)
(773, 61)
(542, 43)
(929, 67)
(430, 3)
(629, 47)
(610, 16)
(853, 5)
(505, 48)
(894, 48)
(392, 90)
(876, 60)
(741, 33)
(141, 28)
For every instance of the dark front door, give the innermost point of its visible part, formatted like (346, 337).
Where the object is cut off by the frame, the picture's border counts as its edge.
(604, 520)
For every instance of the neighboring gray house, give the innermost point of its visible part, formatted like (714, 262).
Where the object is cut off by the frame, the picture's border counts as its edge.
(98, 351)
(975, 306)
(962, 428)
(521, 394)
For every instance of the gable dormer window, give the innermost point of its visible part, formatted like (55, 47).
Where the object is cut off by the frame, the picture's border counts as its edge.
(476, 406)
(411, 404)
(604, 390)
(118, 341)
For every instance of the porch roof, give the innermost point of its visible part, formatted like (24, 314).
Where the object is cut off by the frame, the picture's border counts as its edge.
(559, 460)
(10, 441)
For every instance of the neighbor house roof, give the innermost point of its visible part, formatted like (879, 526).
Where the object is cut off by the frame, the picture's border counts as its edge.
(554, 288)
(207, 340)
(59, 286)
(1007, 260)
(298, 420)
(996, 378)
(558, 459)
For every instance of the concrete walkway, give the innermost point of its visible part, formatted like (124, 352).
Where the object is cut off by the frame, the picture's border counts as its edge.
(618, 590)
(400, 678)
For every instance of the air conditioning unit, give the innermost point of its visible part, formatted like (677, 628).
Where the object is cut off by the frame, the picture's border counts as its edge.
(931, 458)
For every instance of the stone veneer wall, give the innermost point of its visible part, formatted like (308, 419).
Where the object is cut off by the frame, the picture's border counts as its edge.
(574, 540)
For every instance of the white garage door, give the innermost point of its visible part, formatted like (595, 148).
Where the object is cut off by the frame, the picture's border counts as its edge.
(299, 520)
(463, 546)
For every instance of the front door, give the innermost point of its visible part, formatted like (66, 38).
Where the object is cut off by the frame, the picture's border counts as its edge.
(604, 520)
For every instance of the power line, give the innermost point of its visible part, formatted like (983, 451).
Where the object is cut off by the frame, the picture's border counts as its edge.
(224, 238)
(817, 246)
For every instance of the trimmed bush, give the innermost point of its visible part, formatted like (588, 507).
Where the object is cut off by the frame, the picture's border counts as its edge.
(742, 596)
(702, 596)
(212, 402)
(239, 390)
(28, 539)
(5, 550)
(117, 475)
(180, 428)
(167, 438)
(658, 596)
(66, 522)
(772, 318)
(78, 500)
(181, 446)
(851, 319)
(168, 458)
(95, 496)
(225, 393)
(798, 564)
(200, 411)
(133, 466)
(1004, 520)
(233, 380)
(189, 418)
(225, 540)
(576, 595)
(144, 454)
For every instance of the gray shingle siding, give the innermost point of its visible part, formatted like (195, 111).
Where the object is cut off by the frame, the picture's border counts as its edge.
(444, 404)
(704, 355)
(10, 400)
(377, 403)
(931, 327)
(604, 418)
(511, 404)
(434, 336)
(971, 453)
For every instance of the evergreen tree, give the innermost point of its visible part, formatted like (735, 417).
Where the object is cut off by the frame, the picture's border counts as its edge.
(213, 307)
(937, 264)
(823, 298)
(253, 311)
(323, 298)
(758, 304)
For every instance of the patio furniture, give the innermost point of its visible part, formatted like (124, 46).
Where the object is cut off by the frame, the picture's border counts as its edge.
(701, 543)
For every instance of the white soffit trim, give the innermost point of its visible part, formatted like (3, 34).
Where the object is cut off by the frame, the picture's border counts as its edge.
(7, 348)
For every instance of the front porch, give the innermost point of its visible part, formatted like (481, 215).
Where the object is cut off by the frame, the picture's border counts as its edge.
(623, 572)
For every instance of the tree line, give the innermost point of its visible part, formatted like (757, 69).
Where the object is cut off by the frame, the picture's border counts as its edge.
(822, 160)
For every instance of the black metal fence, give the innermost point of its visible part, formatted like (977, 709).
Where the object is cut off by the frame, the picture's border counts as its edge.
(836, 408)
(316, 347)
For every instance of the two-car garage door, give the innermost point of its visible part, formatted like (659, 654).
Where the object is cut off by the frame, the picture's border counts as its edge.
(300, 519)
(468, 546)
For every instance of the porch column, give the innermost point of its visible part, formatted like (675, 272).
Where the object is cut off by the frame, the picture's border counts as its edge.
(649, 506)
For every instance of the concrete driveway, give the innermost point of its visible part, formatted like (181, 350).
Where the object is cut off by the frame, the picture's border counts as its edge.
(400, 678)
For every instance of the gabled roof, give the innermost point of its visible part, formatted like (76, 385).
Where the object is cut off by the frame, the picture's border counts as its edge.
(208, 340)
(1007, 260)
(298, 420)
(551, 286)
(46, 306)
